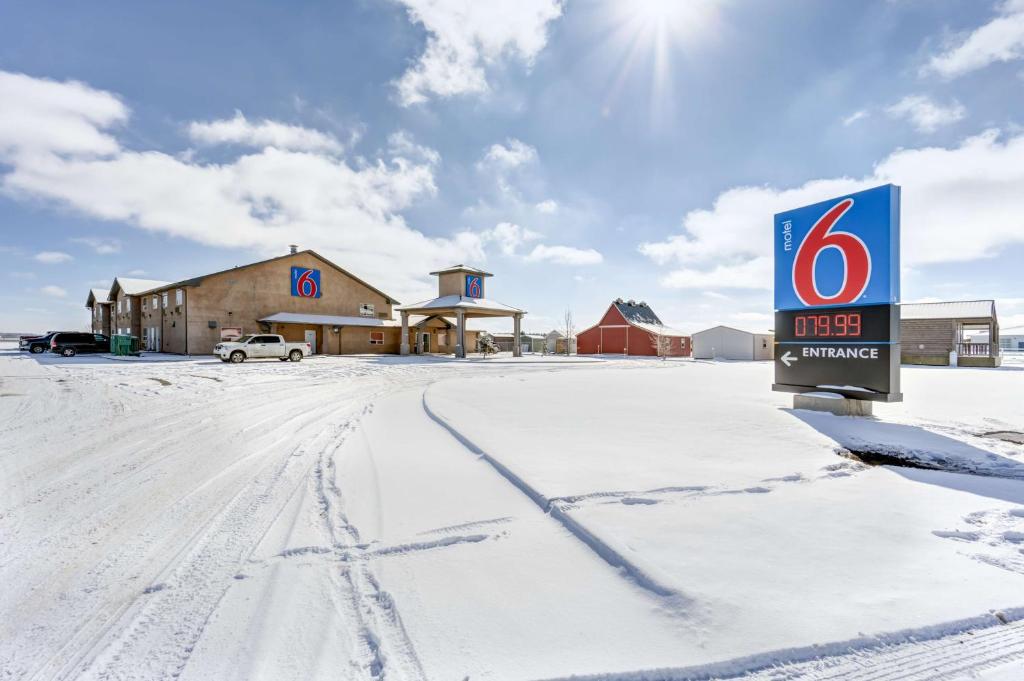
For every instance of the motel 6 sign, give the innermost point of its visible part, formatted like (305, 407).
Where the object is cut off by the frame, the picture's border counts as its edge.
(474, 286)
(837, 290)
(305, 282)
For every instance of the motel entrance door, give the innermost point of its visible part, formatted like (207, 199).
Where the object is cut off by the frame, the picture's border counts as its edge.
(310, 336)
(426, 343)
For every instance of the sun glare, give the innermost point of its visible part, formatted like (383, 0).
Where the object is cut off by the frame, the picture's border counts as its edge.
(651, 33)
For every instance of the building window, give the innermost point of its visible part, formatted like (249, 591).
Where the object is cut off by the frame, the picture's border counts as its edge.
(367, 310)
(178, 294)
(145, 305)
(156, 303)
(128, 304)
(376, 338)
(165, 299)
(119, 307)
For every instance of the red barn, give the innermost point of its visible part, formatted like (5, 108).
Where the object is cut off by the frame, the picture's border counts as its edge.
(632, 328)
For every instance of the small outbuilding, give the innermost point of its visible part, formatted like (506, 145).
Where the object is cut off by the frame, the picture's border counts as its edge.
(632, 328)
(1012, 340)
(726, 342)
(931, 331)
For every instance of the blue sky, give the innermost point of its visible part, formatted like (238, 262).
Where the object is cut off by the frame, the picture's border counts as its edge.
(581, 151)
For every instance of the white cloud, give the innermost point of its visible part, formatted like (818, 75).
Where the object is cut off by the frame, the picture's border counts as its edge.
(756, 273)
(69, 117)
(854, 117)
(262, 200)
(565, 255)
(1000, 40)
(547, 207)
(925, 114)
(466, 36)
(509, 237)
(402, 145)
(52, 257)
(512, 154)
(53, 291)
(99, 245)
(239, 130)
(958, 204)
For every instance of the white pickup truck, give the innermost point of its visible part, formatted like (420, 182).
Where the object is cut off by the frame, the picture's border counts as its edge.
(261, 346)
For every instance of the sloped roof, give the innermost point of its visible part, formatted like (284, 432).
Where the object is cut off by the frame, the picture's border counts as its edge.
(455, 302)
(660, 330)
(327, 319)
(733, 328)
(97, 295)
(463, 268)
(641, 316)
(194, 281)
(135, 287)
(954, 309)
(637, 313)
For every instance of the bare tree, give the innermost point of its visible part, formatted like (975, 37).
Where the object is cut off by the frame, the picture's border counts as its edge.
(570, 330)
(661, 343)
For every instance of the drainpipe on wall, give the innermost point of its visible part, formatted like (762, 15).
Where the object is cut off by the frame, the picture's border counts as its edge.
(184, 295)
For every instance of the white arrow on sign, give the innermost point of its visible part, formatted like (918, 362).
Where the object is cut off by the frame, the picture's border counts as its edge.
(788, 359)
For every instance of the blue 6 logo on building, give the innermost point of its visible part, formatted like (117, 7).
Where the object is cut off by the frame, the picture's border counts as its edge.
(474, 286)
(305, 282)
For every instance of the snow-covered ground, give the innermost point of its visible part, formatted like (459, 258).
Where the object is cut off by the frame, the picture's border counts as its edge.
(543, 518)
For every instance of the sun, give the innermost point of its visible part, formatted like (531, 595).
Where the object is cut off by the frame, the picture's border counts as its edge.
(642, 33)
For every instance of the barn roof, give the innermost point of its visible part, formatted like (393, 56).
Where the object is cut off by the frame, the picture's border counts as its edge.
(640, 315)
(636, 313)
(954, 309)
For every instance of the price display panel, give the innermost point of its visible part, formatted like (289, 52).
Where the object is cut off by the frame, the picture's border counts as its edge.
(860, 324)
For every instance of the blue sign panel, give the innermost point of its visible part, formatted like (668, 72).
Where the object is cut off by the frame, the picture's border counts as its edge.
(305, 282)
(844, 251)
(474, 286)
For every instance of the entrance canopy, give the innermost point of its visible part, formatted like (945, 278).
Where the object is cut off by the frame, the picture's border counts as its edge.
(461, 296)
(325, 320)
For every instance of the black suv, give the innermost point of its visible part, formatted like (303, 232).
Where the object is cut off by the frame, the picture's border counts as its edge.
(37, 344)
(70, 344)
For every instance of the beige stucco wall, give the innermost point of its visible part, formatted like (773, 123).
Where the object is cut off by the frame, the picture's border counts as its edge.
(100, 315)
(125, 319)
(240, 297)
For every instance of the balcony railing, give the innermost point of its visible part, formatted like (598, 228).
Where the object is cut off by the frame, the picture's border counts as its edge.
(974, 349)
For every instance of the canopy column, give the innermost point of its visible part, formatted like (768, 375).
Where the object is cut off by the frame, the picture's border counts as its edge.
(404, 347)
(517, 343)
(460, 333)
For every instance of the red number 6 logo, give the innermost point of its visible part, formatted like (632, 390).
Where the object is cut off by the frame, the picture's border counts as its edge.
(856, 260)
(306, 285)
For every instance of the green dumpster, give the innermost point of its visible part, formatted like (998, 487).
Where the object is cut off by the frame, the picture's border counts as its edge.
(124, 345)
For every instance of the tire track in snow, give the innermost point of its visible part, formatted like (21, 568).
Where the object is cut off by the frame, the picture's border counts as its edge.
(603, 550)
(160, 636)
(937, 653)
(386, 646)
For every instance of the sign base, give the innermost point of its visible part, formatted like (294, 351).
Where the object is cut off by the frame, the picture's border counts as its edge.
(834, 403)
(853, 394)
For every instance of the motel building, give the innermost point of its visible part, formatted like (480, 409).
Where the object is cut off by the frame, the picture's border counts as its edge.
(301, 296)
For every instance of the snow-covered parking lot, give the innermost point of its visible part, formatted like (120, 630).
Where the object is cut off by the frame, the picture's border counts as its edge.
(543, 518)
